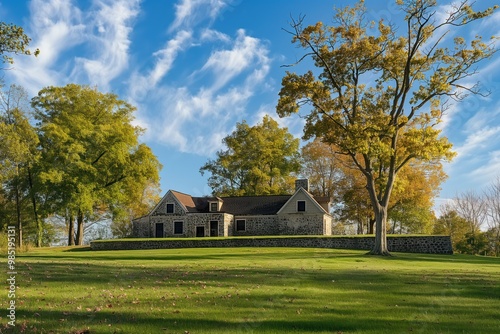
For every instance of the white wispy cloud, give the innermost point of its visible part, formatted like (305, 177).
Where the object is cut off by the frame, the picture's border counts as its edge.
(55, 26)
(192, 12)
(196, 123)
(195, 116)
(489, 171)
(110, 25)
(210, 35)
(140, 83)
(477, 141)
(225, 65)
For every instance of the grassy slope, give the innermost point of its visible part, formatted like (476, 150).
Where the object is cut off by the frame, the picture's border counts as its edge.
(258, 290)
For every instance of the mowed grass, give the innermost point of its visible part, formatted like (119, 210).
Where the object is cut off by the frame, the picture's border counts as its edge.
(253, 290)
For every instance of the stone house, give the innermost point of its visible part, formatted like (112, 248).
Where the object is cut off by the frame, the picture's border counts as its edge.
(182, 215)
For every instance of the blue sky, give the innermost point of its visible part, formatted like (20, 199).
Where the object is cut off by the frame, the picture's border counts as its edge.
(194, 68)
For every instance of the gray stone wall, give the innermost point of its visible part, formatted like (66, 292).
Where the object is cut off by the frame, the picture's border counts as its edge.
(146, 227)
(301, 224)
(408, 244)
(257, 225)
(141, 227)
(283, 224)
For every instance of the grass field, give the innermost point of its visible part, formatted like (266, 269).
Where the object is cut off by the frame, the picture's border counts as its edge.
(253, 290)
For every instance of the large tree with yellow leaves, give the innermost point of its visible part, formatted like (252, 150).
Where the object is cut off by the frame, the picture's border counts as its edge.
(380, 90)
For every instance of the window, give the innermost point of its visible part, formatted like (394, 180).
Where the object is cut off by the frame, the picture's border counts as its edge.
(240, 225)
(214, 206)
(170, 207)
(178, 227)
(301, 206)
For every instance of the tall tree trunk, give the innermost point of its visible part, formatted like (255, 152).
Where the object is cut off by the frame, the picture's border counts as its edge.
(380, 207)
(71, 230)
(79, 228)
(38, 222)
(380, 247)
(371, 225)
(360, 226)
(18, 212)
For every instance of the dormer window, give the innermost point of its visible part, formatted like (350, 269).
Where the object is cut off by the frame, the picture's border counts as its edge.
(214, 206)
(301, 206)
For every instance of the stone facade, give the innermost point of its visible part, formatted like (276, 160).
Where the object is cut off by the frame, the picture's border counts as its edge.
(406, 244)
(180, 215)
(257, 225)
(304, 224)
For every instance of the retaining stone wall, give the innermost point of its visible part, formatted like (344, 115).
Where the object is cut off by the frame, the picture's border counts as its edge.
(407, 244)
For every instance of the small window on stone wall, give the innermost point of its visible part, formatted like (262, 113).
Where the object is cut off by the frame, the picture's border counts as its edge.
(301, 206)
(170, 207)
(241, 225)
(178, 227)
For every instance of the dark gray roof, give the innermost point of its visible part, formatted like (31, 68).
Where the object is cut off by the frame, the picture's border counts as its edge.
(254, 205)
(239, 205)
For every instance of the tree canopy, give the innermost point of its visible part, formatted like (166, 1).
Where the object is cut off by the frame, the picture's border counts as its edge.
(380, 92)
(258, 160)
(13, 40)
(411, 207)
(91, 155)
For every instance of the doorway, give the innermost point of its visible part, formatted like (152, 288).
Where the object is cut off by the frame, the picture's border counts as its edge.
(214, 228)
(200, 231)
(159, 230)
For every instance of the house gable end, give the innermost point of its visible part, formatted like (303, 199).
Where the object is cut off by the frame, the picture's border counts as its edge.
(293, 205)
(162, 207)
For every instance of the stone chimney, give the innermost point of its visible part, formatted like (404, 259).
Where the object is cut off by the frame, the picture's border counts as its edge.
(302, 183)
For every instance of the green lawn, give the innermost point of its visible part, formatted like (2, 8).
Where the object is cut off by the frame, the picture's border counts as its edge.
(253, 290)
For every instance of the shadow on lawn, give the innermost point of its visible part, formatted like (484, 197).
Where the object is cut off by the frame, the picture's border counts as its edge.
(78, 249)
(271, 291)
(195, 254)
(324, 321)
(130, 322)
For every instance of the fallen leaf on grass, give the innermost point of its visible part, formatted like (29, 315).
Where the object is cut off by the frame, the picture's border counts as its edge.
(81, 331)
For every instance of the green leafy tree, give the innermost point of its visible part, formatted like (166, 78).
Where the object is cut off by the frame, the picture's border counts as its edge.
(135, 206)
(450, 223)
(380, 92)
(13, 40)
(473, 243)
(259, 160)
(18, 154)
(91, 157)
(493, 220)
(333, 174)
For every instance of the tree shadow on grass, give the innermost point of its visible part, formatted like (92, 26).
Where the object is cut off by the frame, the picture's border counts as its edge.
(78, 249)
(325, 321)
(274, 298)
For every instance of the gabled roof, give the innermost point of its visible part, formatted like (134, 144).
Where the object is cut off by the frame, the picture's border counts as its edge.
(185, 200)
(254, 205)
(239, 205)
(308, 195)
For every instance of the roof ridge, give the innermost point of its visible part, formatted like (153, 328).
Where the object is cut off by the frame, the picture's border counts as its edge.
(180, 192)
(254, 196)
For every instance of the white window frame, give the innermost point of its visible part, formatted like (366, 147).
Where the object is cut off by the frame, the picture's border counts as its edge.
(210, 206)
(236, 225)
